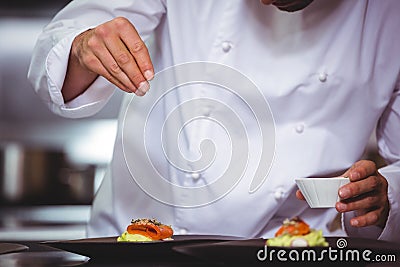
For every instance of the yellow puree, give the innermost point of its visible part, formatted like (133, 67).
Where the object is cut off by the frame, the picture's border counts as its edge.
(127, 237)
(314, 238)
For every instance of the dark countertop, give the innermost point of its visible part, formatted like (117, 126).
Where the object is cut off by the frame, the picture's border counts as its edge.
(40, 255)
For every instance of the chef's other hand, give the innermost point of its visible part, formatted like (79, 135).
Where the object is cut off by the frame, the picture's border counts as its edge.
(115, 51)
(288, 5)
(366, 194)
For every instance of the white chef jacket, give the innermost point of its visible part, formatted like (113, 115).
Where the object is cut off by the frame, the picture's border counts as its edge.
(330, 74)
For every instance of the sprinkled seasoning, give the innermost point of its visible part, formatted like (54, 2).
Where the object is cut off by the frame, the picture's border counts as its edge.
(145, 221)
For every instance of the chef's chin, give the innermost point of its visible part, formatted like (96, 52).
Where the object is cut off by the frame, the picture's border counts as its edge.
(288, 5)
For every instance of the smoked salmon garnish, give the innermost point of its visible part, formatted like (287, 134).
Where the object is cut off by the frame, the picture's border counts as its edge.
(150, 228)
(295, 226)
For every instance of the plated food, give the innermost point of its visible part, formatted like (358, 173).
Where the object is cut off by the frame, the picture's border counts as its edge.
(142, 230)
(296, 233)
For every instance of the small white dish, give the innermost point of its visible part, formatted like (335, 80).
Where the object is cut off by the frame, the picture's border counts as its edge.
(321, 192)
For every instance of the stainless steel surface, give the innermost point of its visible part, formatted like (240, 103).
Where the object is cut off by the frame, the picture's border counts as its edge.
(26, 122)
(24, 118)
(83, 141)
(18, 101)
(36, 175)
(45, 160)
(28, 8)
(45, 232)
(56, 222)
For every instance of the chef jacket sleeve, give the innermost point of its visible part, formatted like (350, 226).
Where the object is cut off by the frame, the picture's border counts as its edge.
(50, 56)
(388, 137)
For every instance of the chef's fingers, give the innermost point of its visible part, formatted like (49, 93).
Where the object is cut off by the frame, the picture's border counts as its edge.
(95, 57)
(267, 2)
(139, 50)
(138, 65)
(363, 202)
(130, 60)
(108, 42)
(114, 55)
(299, 195)
(110, 68)
(352, 189)
(133, 67)
(374, 217)
(360, 170)
(95, 65)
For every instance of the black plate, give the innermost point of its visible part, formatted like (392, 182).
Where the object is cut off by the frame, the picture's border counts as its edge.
(108, 249)
(11, 247)
(254, 252)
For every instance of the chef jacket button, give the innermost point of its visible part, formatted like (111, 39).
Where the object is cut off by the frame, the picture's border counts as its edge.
(322, 77)
(195, 175)
(279, 193)
(299, 128)
(226, 46)
(183, 231)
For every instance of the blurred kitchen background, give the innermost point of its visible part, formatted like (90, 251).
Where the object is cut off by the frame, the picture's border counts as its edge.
(50, 167)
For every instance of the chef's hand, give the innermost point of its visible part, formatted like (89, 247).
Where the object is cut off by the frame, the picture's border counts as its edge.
(113, 50)
(366, 194)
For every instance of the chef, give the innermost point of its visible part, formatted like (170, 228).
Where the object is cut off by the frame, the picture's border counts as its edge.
(227, 102)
